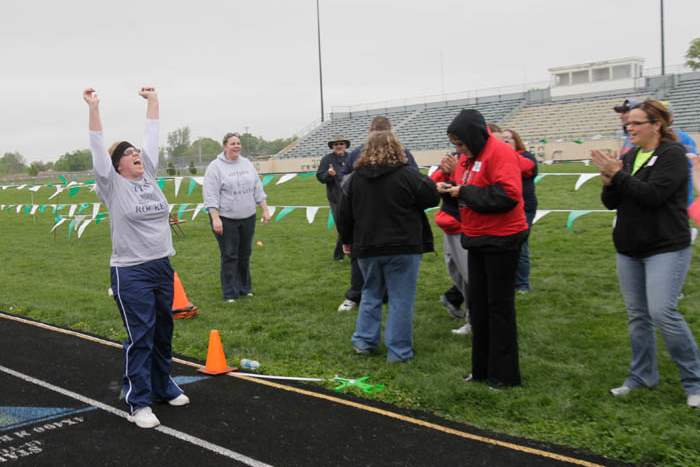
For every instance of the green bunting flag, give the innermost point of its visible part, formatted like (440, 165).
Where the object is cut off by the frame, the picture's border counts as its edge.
(306, 174)
(72, 191)
(283, 213)
(192, 186)
(578, 141)
(82, 208)
(181, 211)
(267, 179)
(538, 179)
(331, 221)
(544, 141)
(100, 216)
(573, 215)
(161, 183)
(63, 179)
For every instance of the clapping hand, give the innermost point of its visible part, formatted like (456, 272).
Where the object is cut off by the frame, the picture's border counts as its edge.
(608, 164)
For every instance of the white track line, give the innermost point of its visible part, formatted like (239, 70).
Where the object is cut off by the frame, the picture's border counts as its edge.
(120, 413)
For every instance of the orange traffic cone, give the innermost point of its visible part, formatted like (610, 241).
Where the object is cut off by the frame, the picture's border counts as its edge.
(182, 308)
(216, 360)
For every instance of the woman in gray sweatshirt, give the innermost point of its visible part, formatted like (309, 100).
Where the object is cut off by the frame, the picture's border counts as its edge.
(232, 190)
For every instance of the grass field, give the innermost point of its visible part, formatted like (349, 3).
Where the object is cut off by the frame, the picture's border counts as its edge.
(572, 327)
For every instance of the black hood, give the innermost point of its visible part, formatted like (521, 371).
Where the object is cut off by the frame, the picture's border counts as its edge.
(376, 171)
(470, 127)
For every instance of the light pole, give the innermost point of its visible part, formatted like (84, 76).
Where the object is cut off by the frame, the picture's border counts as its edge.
(663, 48)
(320, 67)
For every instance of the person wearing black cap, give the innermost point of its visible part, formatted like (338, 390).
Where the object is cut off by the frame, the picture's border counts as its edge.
(487, 181)
(624, 111)
(330, 173)
(142, 278)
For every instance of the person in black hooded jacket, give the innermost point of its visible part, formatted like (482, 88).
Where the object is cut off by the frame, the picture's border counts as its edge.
(383, 224)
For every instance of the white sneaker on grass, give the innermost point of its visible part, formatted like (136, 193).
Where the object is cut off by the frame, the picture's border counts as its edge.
(694, 401)
(347, 305)
(621, 391)
(179, 401)
(463, 331)
(144, 418)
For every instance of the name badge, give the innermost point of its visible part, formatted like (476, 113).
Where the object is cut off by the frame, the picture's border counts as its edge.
(652, 161)
(477, 166)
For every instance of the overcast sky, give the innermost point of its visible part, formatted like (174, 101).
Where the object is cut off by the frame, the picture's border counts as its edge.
(230, 65)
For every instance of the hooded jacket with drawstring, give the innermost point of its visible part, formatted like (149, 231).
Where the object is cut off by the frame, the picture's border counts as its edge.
(383, 211)
(490, 198)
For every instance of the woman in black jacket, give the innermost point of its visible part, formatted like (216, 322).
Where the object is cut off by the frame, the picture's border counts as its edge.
(649, 189)
(383, 224)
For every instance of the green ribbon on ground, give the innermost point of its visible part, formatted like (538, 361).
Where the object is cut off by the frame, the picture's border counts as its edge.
(360, 383)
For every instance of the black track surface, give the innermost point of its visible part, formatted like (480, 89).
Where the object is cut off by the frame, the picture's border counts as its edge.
(270, 425)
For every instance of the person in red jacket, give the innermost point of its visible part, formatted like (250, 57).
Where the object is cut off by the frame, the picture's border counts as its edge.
(487, 181)
(694, 209)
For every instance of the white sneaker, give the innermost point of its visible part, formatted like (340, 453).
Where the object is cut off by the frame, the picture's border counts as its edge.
(463, 331)
(179, 401)
(347, 305)
(621, 391)
(144, 418)
(694, 401)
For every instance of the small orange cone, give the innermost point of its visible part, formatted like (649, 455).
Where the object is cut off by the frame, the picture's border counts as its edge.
(182, 307)
(216, 360)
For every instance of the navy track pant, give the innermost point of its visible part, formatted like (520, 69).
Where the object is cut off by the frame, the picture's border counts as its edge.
(144, 296)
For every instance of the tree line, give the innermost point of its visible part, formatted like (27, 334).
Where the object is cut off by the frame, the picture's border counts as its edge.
(179, 152)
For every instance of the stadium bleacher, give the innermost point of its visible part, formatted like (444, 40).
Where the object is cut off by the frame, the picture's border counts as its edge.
(535, 115)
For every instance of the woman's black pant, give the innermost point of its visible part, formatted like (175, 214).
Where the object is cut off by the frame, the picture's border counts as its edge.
(235, 246)
(492, 316)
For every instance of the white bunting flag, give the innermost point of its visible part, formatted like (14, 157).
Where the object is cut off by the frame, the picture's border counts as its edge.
(82, 227)
(59, 189)
(271, 210)
(583, 178)
(33, 210)
(285, 178)
(170, 208)
(178, 182)
(21, 187)
(35, 188)
(539, 215)
(197, 209)
(311, 213)
(72, 209)
(19, 208)
(432, 170)
(95, 209)
(199, 180)
(63, 219)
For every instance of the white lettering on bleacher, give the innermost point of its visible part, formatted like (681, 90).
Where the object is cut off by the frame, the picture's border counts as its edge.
(14, 453)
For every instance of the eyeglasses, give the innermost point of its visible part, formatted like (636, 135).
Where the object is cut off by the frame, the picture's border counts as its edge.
(132, 151)
(339, 143)
(629, 124)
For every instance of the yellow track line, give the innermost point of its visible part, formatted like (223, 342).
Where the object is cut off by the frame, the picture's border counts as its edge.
(337, 400)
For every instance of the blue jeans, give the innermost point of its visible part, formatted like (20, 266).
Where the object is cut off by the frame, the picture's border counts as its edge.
(650, 287)
(522, 275)
(397, 276)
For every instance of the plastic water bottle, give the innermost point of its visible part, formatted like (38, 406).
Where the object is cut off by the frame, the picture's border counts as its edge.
(248, 364)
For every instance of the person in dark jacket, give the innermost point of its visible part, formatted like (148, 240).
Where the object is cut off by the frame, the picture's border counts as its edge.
(354, 292)
(384, 226)
(487, 181)
(649, 189)
(529, 166)
(330, 173)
